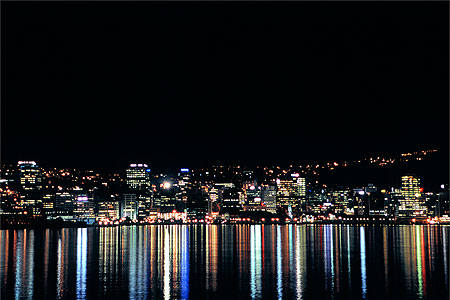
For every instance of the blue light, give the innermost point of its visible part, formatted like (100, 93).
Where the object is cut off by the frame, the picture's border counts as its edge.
(184, 170)
(147, 170)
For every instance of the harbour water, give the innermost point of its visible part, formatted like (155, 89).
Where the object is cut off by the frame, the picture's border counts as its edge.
(226, 262)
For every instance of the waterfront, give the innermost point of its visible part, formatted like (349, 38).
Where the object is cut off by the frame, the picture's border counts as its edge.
(228, 261)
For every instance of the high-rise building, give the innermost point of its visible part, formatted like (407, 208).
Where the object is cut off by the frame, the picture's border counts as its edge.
(129, 206)
(64, 204)
(84, 206)
(411, 203)
(442, 203)
(184, 184)
(230, 200)
(340, 200)
(138, 177)
(290, 192)
(269, 198)
(30, 175)
(253, 194)
(48, 205)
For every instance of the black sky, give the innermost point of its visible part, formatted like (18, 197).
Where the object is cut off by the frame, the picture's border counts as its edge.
(97, 84)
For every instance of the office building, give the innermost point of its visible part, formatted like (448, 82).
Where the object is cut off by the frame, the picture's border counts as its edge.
(30, 175)
(183, 185)
(108, 210)
(138, 177)
(269, 198)
(83, 207)
(64, 204)
(129, 206)
(411, 204)
(288, 192)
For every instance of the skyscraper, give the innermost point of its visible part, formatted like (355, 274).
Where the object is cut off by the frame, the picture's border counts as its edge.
(184, 182)
(291, 192)
(30, 175)
(411, 203)
(138, 177)
(129, 206)
(269, 198)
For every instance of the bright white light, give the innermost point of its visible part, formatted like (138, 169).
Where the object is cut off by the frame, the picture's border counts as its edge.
(361, 192)
(166, 185)
(442, 186)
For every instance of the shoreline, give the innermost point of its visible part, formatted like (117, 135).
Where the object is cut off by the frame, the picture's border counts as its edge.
(62, 226)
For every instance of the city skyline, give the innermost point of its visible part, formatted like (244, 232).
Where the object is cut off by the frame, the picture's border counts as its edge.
(224, 150)
(222, 194)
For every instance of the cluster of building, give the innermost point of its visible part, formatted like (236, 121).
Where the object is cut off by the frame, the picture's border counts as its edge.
(225, 194)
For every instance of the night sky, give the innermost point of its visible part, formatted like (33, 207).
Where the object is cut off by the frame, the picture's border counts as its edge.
(101, 85)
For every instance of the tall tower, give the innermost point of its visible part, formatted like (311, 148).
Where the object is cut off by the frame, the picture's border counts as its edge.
(411, 203)
(138, 177)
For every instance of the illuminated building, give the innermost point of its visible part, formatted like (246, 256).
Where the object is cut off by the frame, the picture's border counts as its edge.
(108, 210)
(253, 195)
(289, 191)
(214, 196)
(84, 207)
(395, 196)
(269, 198)
(30, 175)
(302, 187)
(184, 183)
(359, 202)
(145, 204)
(411, 203)
(316, 196)
(230, 200)
(48, 205)
(64, 204)
(228, 197)
(340, 200)
(33, 205)
(138, 177)
(129, 206)
(442, 203)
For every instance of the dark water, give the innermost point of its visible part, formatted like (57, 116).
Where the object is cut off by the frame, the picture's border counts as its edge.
(226, 262)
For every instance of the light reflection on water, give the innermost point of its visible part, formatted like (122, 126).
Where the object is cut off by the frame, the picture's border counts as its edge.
(222, 262)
